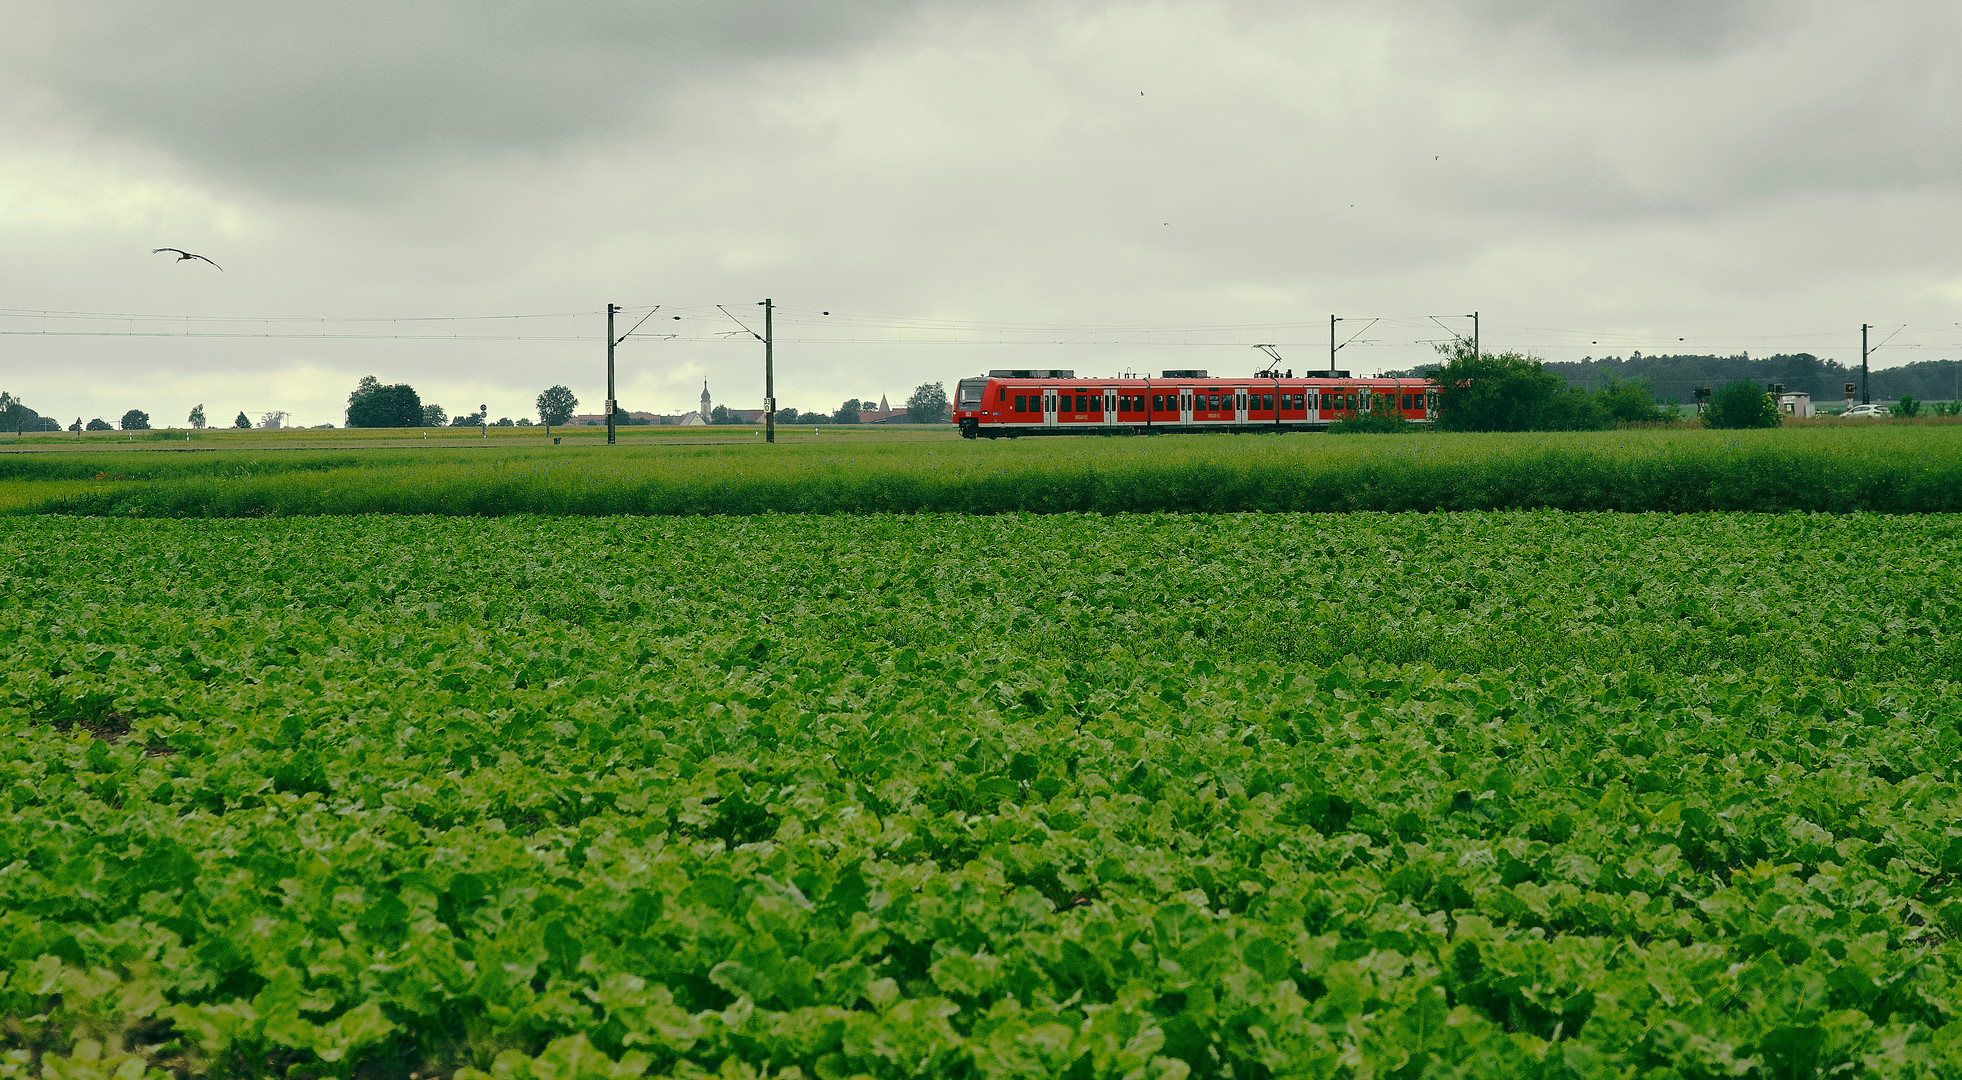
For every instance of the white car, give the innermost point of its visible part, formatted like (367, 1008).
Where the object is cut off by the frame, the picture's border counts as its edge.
(1865, 412)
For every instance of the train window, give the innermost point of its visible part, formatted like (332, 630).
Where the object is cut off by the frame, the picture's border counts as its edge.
(1267, 402)
(1082, 405)
(1212, 404)
(1021, 403)
(1096, 403)
(1157, 403)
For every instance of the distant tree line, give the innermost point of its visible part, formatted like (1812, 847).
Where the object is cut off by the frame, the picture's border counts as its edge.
(927, 405)
(15, 416)
(1675, 379)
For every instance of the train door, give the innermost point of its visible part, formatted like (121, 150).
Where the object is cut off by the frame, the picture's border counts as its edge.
(1049, 407)
(1185, 405)
(1240, 404)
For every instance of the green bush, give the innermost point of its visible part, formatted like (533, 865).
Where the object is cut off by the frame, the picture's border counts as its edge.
(1742, 405)
(1909, 406)
(1483, 392)
(1514, 392)
(1630, 401)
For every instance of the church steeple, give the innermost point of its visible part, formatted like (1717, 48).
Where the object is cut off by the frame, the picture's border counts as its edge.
(705, 399)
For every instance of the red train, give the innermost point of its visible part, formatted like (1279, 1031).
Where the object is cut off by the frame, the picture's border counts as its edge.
(1016, 403)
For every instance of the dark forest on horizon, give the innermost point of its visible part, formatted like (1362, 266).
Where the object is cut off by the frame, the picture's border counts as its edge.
(1675, 378)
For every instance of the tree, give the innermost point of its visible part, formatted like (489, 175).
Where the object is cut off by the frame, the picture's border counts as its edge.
(1482, 392)
(434, 416)
(136, 420)
(1742, 404)
(847, 413)
(368, 385)
(99, 424)
(274, 420)
(197, 416)
(467, 419)
(1909, 406)
(720, 415)
(16, 416)
(241, 423)
(373, 405)
(928, 405)
(555, 405)
(787, 416)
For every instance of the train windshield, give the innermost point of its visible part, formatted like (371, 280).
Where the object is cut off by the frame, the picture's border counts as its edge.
(971, 391)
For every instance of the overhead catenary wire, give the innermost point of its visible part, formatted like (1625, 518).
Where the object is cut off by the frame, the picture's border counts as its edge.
(841, 328)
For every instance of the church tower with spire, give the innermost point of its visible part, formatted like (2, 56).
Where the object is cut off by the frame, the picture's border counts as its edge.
(705, 401)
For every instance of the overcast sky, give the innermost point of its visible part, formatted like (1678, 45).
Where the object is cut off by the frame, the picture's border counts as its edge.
(1107, 187)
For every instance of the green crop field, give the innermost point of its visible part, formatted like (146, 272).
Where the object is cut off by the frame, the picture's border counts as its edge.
(1140, 796)
(1883, 468)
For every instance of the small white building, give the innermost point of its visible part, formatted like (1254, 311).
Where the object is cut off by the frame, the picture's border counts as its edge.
(1798, 405)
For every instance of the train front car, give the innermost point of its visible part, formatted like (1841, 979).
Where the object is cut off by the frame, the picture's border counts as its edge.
(970, 404)
(1011, 402)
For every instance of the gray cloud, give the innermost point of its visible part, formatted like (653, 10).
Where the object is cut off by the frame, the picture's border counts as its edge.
(352, 99)
(1652, 29)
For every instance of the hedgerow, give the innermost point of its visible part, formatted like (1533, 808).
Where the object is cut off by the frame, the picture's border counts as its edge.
(1903, 470)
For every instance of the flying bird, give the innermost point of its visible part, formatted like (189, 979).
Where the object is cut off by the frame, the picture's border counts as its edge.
(182, 255)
